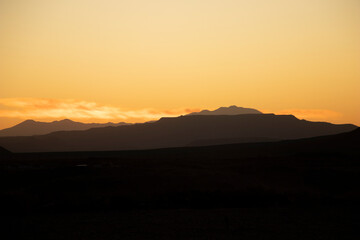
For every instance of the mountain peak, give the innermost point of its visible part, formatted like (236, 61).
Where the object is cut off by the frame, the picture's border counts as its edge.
(27, 122)
(66, 120)
(231, 110)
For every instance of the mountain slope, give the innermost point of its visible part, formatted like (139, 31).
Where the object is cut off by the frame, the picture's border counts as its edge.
(31, 127)
(232, 110)
(175, 132)
(3, 151)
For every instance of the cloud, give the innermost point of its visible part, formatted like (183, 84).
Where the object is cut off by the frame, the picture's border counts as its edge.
(85, 111)
(313, 114)
(39, 108)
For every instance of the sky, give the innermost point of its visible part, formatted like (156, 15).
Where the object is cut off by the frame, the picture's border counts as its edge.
(138, 60)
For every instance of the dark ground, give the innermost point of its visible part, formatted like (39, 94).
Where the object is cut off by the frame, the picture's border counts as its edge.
(304, 189)
(234, 223)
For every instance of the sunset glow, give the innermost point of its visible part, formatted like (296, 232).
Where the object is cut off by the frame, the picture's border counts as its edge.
(53, 109)
(139, 60)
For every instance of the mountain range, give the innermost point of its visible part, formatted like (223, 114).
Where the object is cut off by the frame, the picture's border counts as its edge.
(176, 132)
(31, 127)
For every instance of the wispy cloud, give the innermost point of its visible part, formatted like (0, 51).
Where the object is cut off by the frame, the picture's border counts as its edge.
(55, 109)
(39, 108)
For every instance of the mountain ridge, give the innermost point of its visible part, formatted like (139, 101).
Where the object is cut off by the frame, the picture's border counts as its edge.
(31, 127)
(175, 132)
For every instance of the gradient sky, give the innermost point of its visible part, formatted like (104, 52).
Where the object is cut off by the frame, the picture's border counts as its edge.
(135, 60)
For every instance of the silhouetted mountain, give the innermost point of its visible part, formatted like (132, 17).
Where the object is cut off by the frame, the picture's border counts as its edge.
(31, 127)
(175, 132)
(232, 110)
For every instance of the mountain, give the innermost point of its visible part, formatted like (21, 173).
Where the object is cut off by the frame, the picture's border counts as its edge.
(31, 127)
(175, 132)
(232, 110)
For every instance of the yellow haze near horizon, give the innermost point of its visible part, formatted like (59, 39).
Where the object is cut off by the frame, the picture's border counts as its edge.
(161, 54)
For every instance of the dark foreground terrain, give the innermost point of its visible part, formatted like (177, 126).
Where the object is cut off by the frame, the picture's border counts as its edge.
(229, 223)
(301, 189)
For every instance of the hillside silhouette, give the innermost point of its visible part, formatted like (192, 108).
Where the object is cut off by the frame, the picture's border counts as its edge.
(232, 110)
(31, 127)
(223, 141)
(175, 132)
(3, 151)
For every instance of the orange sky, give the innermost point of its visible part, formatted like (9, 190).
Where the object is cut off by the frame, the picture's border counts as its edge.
(135, 60)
